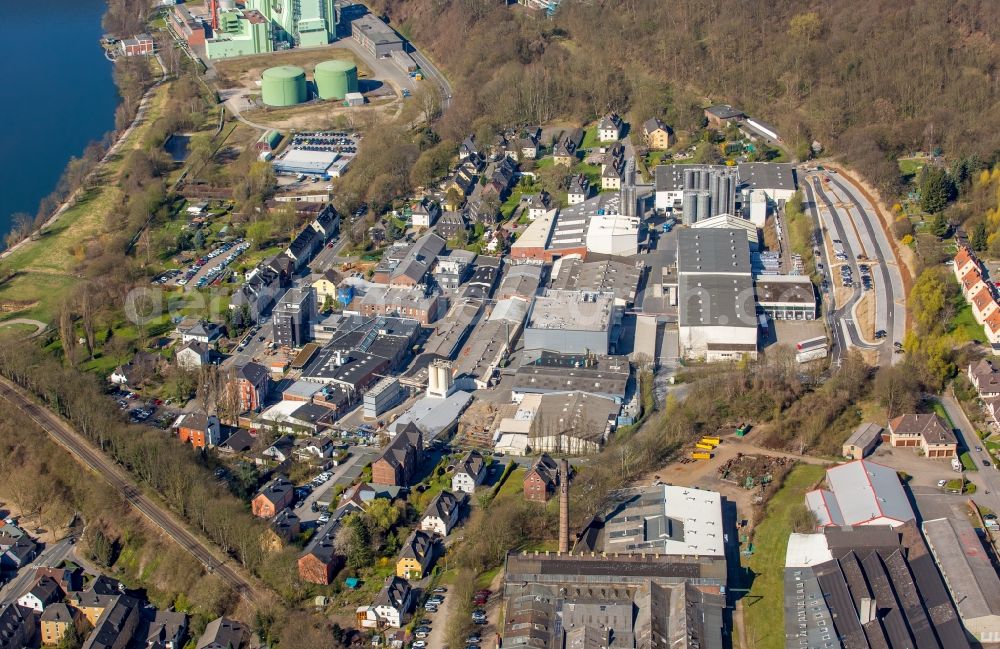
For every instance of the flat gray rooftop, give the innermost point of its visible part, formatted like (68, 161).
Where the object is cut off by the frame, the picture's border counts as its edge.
(713, 251)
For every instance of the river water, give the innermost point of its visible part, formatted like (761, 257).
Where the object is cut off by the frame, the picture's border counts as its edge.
(57, 96)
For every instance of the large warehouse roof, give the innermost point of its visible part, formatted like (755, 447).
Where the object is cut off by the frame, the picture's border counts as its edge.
(967, 570)
(713, 251)
(768, 175)
(862, 492)
(717, 300)
(297, 161)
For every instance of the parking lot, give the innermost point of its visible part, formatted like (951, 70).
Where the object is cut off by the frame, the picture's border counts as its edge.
(203, 271)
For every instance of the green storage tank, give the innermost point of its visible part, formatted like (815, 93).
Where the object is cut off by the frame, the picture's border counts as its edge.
(334, 79)
(284, 85)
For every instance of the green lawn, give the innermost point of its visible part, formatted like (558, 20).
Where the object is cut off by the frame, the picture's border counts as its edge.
(911, 166)
(964, 326)
(763, 607)
(590, 140)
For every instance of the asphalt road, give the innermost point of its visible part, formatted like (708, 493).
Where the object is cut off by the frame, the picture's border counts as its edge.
(986, 478)
(866, 217)
(50, 557)
(84, 453)
(842, 326)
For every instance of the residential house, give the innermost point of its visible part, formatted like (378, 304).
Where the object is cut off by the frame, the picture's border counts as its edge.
(541, 480)
(468, 148)
(971, 282)
(281, 449)
(141, 368)
(193, 355)
(527, 144)
(611, 178)
(983, 304)
(163, 629)
(116, 626)
(480, 211)
(17, 554)
(992, 328)
(538, 205)
(398, 461)
(252, 382)
(202, 331)
(657, 135)
(409, 265)
(286, 525)
(389, 608)
(327, 286)
(609, 129)
(327, 222)
(304, 247)
(462, 182)
(223, 633)
(450, 224)
(16, 627)
(201, 431)
(417, 555)
(441, 514)
(44, 592)
(56, 620)
(963, 262)
(67, 579)
(93, 602)
(985, 377)
(504, 174)
(259, 291)
(928, 433)
(722, 115)
(579, 190)
(469, 472)
(404, 302)
(272, 498)
(320, 561)
(565, 150)
(425, 213)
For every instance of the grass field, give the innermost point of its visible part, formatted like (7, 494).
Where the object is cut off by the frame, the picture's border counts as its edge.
(964, 326)
(46, 265)
(763, 607)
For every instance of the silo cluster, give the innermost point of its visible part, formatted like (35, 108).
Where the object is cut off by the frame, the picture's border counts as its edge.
(707, 193)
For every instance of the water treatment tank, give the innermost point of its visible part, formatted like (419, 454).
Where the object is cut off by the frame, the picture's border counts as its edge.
(704, 206)
(334, 79)
(284, 85)
(690, 206)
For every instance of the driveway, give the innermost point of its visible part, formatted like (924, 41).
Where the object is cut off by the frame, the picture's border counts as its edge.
(345, 474)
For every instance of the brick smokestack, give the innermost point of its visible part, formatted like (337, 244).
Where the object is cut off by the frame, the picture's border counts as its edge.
(563, 506)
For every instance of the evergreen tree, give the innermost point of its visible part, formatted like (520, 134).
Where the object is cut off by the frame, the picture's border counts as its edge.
(978, 239)
(936, 190)
(940, 225)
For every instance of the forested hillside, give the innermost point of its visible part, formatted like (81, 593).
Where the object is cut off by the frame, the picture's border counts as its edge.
(869, 78)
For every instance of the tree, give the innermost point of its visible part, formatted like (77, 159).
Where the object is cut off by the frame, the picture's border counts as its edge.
(896, 389)
(940, 225)
(357, 542)
(936, 189)
(927, 300)
(71, 639)
(979, 237)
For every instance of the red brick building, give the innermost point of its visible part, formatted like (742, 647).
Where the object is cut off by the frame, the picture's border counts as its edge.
(252, 382)
(541, 480)
(275, 496)
(319, 563)
(400, 458)
(198, 430)
(139, 45)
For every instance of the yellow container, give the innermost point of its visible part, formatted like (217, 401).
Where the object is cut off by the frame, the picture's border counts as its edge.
(701, 456)
(705, 447)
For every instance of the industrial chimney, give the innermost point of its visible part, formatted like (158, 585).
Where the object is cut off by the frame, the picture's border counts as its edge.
(563, 505)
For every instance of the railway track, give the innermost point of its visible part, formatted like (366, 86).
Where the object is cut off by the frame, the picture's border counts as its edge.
(95, 460)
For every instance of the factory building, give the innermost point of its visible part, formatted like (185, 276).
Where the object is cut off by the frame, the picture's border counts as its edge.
(375, 36)
(866, 588)
(384, 395)
(696, 192)
(968, 573)
(787, 297)
(717, 314)
(572, 322)
(268, 25)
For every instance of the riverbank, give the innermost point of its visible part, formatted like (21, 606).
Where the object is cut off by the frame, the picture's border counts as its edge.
(45, 263)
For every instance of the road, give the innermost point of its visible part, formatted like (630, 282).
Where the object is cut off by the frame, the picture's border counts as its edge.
(842, 327)
(87, 455)
(50, 557)
(985, 479)
(867, 220)
(345, 474)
